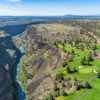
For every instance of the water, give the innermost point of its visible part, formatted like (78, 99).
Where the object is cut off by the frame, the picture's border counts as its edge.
(14, 30)
(20, 92)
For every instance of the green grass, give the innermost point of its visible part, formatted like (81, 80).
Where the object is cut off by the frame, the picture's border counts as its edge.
(68, 48)
(61, 71)
(87, 94)
(96, 62)
(22, 76)
(79, 55)
(86, 70)
(85, 73)
(98, 47)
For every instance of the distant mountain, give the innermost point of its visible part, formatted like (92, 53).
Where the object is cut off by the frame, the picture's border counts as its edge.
(81, 17)
(22, 20)
(37, 18)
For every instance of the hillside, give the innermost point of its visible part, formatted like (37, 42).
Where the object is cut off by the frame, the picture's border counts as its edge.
(60, 62)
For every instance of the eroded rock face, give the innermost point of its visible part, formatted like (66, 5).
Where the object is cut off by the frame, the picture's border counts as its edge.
(6, 85)
(35, 69)
(41, 58)
(8, 60)
(45, 87)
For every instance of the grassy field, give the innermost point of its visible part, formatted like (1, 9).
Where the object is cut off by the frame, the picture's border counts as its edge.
(85, 73)
(92, 94)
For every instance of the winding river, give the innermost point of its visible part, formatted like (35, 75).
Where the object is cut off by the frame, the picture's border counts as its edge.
(14, 30)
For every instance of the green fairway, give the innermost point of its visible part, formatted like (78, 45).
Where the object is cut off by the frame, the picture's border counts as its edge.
(85, 73)
(92, 94)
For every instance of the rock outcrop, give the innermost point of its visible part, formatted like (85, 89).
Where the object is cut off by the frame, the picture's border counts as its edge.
(41, 57)
(8, 60)
(6, 85)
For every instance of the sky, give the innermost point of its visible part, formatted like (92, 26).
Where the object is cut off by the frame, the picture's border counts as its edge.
(49, 7)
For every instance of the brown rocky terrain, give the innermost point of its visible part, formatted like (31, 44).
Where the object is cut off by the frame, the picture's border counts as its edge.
(41, 57)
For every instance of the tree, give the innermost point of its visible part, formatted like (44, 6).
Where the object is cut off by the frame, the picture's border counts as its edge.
(59, 76)
(65, 64)
(49, 97)
(85, 61)
(98, 75)
(71, 70)
(62, 92)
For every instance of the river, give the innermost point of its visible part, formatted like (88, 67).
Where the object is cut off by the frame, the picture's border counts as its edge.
(14, 30)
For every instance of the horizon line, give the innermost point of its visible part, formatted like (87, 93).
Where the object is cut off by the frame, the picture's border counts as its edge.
(50, 15)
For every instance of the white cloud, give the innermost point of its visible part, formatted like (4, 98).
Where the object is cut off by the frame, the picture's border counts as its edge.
(21, 9)
(18, 10)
